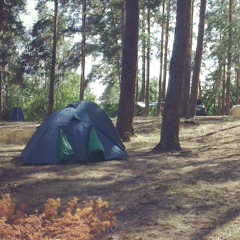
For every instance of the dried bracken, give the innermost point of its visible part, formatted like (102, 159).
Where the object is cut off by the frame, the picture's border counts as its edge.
(85, 223)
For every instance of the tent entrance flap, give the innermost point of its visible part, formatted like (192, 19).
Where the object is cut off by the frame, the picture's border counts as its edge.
(95, 147)
(65, 151)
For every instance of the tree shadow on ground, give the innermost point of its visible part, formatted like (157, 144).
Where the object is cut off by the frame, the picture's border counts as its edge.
(228, 216)
(173, 195)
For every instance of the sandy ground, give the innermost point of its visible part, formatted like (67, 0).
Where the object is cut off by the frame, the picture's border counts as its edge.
(188, 195)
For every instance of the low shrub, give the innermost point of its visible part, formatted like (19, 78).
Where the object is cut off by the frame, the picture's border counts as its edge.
(86, 223)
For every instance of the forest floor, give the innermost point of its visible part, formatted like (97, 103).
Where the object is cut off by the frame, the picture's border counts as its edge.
(189, 195)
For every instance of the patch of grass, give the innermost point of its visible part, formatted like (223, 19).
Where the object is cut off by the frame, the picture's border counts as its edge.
(16, 134)
(143, 142)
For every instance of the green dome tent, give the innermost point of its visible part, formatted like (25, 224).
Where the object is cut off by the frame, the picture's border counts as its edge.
(80, 132)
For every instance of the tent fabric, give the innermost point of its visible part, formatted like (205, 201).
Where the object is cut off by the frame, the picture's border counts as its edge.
(95, 147)
(65, 150)
(17, 115)
(78, 133)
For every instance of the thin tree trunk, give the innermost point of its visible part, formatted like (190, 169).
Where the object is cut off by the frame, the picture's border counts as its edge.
(229, 64)
(1, 98)
(237, 80)
(200, 90)
(166, 53)
(219, 80)
(54, 54)
(161, 64)
(148, 61)
(143, 88)
(1, 80)
(198, 59)
(82, 83)
(219, 83)
(123, 20)
(116, 43)
(224, 89)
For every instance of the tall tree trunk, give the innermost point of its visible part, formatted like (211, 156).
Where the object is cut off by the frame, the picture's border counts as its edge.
(1, 97)
(54, 54)
(166, 53)
(197, 59)
(129, 70)
(161, 63)
(187, 75)
(237, 80)
(219, 87)
(171, 116)
(219, 80)
(148, 60)
(116, 43)
(82, 83)
(143, 86)
(1, 75)
(143, 82)
(224, 89)
(229, 64)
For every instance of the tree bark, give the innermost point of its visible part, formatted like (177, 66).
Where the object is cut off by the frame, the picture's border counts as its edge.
(229, 63)
(159, 106)
(237, 80)
(129, 70)
(198, 59)
(224, 89)
(143, 85)
(187, 76)
(1, 81)
(166, 53)
(82, 82)
(148, 60)
(219, 87)
(1, 98)
(171, 116)
(118, 60)
(54, 53)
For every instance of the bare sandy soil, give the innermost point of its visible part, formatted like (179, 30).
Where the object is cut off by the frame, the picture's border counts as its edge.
(188, 195)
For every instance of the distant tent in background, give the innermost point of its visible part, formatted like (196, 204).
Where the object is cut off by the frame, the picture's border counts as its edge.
(78, 133)
(142, 107)
(235, 110)
(17, 115)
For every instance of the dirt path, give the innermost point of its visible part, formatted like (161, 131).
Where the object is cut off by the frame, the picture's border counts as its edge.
(191, 195)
